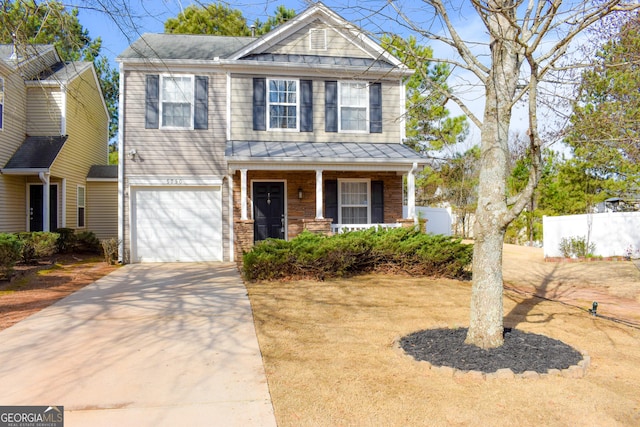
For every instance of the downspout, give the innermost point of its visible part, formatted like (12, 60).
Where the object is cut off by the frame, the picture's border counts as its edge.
(411, 193)
(46, 200)
(121, 165)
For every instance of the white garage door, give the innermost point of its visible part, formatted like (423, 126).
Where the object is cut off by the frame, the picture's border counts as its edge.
(171, 224)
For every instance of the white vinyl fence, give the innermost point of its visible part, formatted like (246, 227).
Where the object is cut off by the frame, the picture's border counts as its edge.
(613, 233)
(438, 219)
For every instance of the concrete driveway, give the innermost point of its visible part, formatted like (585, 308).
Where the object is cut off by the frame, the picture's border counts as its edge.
(148, 345)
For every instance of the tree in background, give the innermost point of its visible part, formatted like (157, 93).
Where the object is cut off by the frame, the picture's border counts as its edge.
(604, 133)
(459, 187)
(221, 20)
(27, 22)
(429, 124)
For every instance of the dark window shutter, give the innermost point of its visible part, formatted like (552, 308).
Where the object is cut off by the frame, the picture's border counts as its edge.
(375, 108)
(306, 106)
(331, 106)
(201, 107)
(152, 97)
(331, 200)
(1, 116)
(377, 202)
(259, 103)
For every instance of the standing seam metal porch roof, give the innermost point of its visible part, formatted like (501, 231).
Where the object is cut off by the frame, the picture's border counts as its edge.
(321, 152)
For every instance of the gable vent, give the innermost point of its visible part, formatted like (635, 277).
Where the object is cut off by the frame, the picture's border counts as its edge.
(318, 39)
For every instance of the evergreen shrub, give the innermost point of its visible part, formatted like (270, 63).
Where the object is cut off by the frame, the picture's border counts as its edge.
(10, 253)
(399, 250)
(37, 244)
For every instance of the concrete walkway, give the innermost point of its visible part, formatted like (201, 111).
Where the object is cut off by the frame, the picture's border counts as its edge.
(148, 345)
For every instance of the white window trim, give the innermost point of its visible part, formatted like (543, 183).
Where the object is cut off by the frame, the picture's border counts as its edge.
(83, 206)
(366, 85)
(161, 101)
(340, 206)
(2, 102)
(297, 128)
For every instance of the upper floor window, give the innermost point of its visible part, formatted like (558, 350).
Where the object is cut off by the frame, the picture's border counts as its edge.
(283, 104)
(353, 106)
(1, 101)
(176, 101)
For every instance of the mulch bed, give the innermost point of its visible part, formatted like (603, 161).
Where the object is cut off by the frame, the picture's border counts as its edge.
(521, 351)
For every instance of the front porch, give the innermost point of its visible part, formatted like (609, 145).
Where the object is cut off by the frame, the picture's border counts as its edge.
(309, 201)
(280, 189)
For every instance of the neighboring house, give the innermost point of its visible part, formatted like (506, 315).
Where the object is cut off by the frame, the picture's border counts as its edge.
(53, 127)
(230, 140)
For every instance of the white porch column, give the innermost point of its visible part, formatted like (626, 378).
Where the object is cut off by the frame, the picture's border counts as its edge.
(243, 194)
(46, 200)
(319, 194)
(62, 196)
(411, 193)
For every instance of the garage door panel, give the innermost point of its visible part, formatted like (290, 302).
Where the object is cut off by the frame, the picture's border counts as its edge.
(177, 224)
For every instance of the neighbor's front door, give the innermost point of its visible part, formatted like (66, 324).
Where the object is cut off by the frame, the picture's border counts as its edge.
(35, 207)
(268, 210)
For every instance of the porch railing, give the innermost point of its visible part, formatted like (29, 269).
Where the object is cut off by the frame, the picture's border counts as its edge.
(343, 228)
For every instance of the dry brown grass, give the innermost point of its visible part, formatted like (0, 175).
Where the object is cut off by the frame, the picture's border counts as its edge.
(330, 360)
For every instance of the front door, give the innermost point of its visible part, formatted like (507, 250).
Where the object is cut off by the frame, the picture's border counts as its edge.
(35, 207)
(268, 210)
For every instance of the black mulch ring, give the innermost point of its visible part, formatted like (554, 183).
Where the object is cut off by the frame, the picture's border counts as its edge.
(521, 351)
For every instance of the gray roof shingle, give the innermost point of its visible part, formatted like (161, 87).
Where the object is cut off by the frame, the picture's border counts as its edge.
(103, 172)
(36, 152)
(183, 46)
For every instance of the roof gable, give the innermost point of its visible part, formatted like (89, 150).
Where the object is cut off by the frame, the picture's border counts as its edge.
(318, 31)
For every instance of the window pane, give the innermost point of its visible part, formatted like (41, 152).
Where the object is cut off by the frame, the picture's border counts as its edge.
(353, 215)
(353, 118)
(283, 100)
(176, 115)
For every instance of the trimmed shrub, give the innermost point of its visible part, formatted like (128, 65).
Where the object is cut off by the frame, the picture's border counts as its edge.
(397, 250)
(87, 242)
(576, 247)
(10, 253)
(37, 244)
(66, 239)
(110, 250)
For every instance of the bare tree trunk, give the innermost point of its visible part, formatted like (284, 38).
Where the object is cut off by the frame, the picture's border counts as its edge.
(486, 318)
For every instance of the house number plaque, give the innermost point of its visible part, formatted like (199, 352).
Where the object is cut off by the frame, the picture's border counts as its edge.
(174, 181)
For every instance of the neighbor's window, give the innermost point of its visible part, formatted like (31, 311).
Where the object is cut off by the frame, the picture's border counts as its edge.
(1, 101)
(81, 205)
(354, 105)
(353, 198)
(176, 101)
(283, 104)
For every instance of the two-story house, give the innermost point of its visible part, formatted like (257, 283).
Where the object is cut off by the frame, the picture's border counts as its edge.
(230, 140)
(53, 128)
